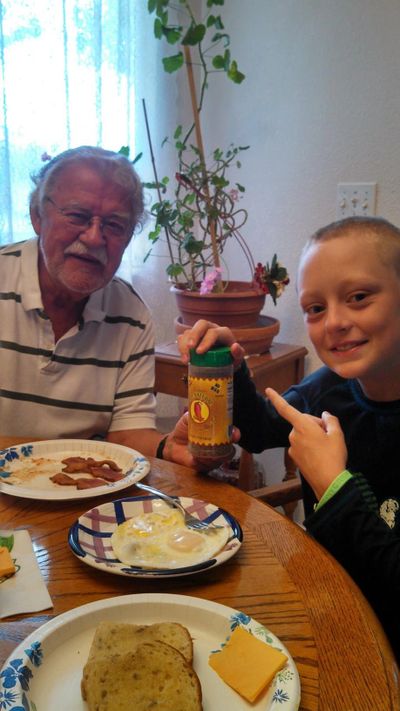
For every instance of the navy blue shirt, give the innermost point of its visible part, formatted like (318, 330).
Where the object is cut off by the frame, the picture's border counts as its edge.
(360, 524)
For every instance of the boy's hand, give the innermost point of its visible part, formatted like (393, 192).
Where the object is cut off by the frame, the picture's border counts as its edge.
(316, 444)
(205, 335)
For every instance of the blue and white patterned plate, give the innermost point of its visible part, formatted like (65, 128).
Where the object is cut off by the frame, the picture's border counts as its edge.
(89, 537)
(25, 469)
(45, 671)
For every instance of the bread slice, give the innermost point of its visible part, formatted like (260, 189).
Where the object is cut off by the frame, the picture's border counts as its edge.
(154, 676)
(119, 638)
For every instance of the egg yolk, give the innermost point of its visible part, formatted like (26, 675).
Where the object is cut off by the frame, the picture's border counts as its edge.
(150, 523)
(185, 541)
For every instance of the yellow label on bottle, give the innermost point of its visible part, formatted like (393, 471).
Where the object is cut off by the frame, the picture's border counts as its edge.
(210, 410)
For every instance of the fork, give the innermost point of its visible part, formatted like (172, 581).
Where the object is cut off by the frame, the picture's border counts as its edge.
(190, 521)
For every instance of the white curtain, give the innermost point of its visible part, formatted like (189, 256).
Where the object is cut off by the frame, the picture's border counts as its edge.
(71, 73)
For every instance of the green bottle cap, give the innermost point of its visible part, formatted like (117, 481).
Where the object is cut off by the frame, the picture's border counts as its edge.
(213, 358)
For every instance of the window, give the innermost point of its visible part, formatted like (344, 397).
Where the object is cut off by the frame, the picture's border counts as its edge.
(66, 78)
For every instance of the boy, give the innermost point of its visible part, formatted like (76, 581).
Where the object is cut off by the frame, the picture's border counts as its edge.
(349, 292)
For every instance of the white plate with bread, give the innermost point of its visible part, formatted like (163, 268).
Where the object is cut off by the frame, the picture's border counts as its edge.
(70, 662)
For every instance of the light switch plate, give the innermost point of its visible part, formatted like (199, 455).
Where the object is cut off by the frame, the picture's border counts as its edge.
(355, 199)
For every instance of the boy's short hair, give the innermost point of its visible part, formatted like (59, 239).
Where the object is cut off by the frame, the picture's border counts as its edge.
(386, 235)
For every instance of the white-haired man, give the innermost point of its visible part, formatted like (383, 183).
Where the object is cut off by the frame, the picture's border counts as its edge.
(77, 342)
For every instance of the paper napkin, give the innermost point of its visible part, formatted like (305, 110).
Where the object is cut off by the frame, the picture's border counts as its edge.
(25, 591)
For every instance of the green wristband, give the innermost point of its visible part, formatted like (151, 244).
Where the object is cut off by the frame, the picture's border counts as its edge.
(333, 488)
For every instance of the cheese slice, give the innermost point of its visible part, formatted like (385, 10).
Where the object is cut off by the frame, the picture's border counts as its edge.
(247, 664)
(7, 566)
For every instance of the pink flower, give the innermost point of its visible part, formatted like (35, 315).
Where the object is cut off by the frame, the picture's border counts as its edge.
(210, 280)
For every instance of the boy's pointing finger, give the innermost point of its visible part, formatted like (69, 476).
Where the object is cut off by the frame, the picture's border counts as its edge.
(285, 410)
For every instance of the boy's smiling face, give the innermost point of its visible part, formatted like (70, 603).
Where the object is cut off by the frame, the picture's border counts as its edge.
(350, 297)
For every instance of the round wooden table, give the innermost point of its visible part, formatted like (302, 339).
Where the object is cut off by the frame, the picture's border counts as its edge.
(280, 577)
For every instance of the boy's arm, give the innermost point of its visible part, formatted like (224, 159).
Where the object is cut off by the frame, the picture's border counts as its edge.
(205, 335)
(317, 444)
(348, 525)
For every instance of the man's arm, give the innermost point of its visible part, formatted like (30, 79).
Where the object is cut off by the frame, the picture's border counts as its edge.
(144, 441)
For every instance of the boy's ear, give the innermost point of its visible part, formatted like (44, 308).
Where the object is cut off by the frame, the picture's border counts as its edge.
(35, 219)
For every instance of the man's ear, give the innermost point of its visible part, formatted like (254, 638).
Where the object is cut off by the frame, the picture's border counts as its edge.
(35, 218)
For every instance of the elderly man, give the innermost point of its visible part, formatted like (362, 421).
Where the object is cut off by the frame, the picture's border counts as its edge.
(77, 343)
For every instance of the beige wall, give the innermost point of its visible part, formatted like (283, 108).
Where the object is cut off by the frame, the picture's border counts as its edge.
(320, 105)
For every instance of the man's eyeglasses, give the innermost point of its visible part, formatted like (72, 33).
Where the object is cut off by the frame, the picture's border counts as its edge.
(78, 217)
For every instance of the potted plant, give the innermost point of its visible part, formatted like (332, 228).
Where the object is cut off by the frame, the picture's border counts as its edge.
(198, 211)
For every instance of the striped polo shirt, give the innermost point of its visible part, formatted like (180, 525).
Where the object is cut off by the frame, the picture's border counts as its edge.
(97, 378)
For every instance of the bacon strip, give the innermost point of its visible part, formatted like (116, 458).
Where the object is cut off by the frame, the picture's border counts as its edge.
(104, 470)
(107, 474)
(89, 483)
(63, 479)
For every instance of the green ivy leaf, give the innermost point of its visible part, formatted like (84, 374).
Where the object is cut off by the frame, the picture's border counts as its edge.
(273, 291)
(281, 274)
(234, 74)
(158, 28)
(219, 36)
(152, 185)
(154, 235)
(215, 20)
(194, 35)
(186, 220)
(172, 34)
(138, 157)
(210, 3)
(124, 151)
(241, 188)
(189, 198)
(174, 270)
(218, 62)
(219, 181)
(173, 63)
(191, 245)
(178, 132)
(151, 5)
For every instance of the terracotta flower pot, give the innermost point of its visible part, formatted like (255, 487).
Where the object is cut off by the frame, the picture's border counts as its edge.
(256, 339)
(239, 306)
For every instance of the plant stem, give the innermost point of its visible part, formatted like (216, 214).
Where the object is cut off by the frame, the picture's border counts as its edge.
(156, 179)
(199, 141)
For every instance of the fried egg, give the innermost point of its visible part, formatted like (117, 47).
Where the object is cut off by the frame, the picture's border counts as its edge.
(160, 539)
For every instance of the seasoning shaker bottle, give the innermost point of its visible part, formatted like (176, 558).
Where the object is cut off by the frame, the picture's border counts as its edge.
(210, 403)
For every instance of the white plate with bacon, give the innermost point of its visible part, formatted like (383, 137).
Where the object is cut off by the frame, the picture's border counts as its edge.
(66, 469)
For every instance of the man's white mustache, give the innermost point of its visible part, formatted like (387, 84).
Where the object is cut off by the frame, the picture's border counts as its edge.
(80, 249)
